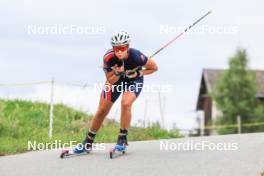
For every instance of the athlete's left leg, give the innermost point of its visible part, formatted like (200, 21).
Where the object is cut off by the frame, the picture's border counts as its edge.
(133, 90)
(127, 101)
(128, 98)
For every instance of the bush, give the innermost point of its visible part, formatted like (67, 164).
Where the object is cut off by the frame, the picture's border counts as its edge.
(23, 121)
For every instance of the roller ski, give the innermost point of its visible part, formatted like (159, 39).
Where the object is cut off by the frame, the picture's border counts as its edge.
(83, 148)
(77, 151)
(121, 146)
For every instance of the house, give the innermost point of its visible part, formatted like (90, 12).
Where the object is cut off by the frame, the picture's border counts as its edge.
(205, 102)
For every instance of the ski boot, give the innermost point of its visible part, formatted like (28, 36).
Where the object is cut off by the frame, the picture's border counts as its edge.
(121, 144)
(83, 148)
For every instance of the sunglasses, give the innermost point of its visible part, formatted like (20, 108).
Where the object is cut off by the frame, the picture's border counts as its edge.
(120, 48)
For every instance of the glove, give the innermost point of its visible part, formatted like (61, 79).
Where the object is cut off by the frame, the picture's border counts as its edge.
(132, 74)
(118, 71)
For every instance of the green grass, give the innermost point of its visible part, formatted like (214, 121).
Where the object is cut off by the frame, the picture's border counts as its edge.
(22, 121)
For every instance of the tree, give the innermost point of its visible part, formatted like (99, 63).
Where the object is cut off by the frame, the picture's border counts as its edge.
(235, 94)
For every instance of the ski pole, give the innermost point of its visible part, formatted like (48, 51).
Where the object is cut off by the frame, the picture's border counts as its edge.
(188, 28)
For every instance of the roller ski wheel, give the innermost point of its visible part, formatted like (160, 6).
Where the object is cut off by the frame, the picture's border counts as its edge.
(117, 151)
(64, 153)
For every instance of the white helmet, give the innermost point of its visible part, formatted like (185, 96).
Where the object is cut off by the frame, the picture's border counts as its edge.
(120, 38)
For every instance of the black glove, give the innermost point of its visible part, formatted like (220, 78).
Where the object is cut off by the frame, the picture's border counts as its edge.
(132, 74)
(117, 73)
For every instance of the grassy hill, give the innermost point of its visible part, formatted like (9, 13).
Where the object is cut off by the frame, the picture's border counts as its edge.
(22, 121)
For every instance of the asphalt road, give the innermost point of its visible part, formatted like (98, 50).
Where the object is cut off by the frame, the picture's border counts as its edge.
(236, 155)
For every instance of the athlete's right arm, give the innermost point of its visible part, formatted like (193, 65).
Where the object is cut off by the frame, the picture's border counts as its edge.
(112, 72)
(113, 75)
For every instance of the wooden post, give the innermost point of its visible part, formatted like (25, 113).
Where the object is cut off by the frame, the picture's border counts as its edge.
(202, 124)
(238, 124)
(51, 109)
